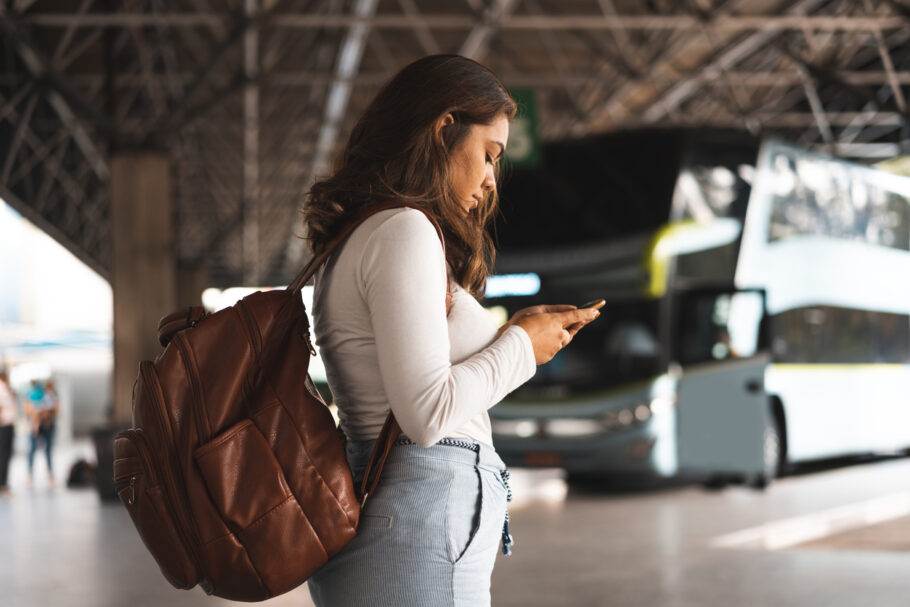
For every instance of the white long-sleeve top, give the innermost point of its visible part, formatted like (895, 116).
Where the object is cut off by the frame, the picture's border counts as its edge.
(8, 405)
(379, 315)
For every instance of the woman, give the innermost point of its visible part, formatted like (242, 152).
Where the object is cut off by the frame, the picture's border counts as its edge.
(8, 407)
(41, 409)
(400, 329)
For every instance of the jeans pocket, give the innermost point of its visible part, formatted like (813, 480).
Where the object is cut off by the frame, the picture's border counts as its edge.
(464, 511)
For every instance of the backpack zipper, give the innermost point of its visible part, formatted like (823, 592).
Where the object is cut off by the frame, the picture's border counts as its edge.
(203, 432)
(135, 436)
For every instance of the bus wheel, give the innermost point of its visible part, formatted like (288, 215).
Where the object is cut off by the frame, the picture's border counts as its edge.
(773, 454)
(716, 482)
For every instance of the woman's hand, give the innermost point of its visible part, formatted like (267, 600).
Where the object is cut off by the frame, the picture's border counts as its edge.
(532, 310)
(552, 331)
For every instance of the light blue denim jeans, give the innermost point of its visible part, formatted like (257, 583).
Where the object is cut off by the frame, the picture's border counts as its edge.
(428, 536)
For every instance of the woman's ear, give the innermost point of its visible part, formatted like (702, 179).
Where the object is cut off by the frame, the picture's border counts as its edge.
(443, 121)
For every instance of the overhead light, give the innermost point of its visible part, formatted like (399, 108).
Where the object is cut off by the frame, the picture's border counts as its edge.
(513, 285)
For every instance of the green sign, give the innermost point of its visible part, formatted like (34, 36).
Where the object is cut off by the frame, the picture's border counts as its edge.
(523, 149)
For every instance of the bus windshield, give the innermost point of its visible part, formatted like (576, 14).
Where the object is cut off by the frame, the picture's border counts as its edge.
(587, 220)
(619, 347)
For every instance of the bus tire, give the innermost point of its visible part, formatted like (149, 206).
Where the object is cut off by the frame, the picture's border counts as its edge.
(716, 482)
(773, 452)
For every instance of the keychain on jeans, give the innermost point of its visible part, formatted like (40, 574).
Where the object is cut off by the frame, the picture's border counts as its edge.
(507, 540)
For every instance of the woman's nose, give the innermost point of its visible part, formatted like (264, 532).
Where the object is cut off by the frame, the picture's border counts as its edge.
(489, 180)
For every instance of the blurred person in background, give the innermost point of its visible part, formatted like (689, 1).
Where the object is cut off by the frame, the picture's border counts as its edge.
(41, 408)
(8, 406)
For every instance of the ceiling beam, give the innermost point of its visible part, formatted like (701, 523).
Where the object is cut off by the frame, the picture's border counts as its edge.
(805, 120)
(815, 103)
(610, 105)
(340, 90)
(18, 136)
(50, 157)
(307, 79)
(422, 32)
(887, 62)
(237, 33)
(594, 21)
(491, 18)
(671, 99)
(40, 70)
(559, 62)
(622, 41)
(783, 120)
(346, 67)
(67, 36)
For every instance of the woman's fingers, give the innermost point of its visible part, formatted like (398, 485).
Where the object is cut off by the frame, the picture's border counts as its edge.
(550, 332)
(575, 327)
(571, 317)
(558, 308)
(541, 309)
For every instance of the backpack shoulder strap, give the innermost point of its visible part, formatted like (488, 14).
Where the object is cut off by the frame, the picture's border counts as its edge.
(307, 272)
(390, 430)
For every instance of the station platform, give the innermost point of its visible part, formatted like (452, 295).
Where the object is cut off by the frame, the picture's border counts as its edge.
(837, 538)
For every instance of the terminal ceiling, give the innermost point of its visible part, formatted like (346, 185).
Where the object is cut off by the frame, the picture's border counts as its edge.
(250, 98)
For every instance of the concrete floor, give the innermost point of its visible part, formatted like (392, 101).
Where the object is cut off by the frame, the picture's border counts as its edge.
(655, 547)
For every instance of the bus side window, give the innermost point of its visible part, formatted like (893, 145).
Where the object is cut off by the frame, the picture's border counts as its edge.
(720, 326)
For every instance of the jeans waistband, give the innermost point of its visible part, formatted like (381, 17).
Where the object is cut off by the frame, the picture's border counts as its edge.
(456, 449)
(446, 442)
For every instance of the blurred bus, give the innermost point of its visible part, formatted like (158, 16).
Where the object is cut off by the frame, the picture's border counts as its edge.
(758, 306)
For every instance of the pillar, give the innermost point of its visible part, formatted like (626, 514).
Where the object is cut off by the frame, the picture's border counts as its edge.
(191, 281)
(144, 265)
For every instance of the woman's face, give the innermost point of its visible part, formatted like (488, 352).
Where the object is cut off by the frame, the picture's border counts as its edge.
(473, 161)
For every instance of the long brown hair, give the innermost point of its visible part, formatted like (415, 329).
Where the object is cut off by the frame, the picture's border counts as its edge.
(396, 153)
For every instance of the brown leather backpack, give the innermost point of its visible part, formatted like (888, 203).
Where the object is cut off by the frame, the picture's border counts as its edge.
(234, 472)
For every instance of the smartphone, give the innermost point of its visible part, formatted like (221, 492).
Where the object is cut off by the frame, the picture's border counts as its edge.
(596, 304)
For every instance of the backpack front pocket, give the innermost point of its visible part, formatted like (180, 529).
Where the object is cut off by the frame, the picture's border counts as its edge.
(249, 489)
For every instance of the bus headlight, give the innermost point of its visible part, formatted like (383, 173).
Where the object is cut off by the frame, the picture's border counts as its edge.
(626, 417)
(573, 427)
(642, 413)
(623, 419)
(611, 421)
(662, 405)
(522, 428)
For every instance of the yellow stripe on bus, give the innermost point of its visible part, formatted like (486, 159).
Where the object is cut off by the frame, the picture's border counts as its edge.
(657, 257)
